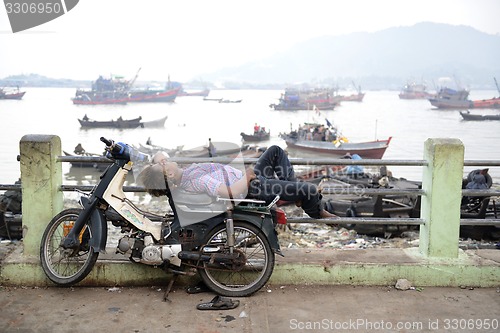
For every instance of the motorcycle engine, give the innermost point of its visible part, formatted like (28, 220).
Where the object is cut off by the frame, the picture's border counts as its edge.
(151, 254)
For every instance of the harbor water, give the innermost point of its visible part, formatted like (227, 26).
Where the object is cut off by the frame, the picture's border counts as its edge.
(192, 121)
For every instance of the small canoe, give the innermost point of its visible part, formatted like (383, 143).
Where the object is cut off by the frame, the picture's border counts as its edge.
(469, 116)
(119, 123)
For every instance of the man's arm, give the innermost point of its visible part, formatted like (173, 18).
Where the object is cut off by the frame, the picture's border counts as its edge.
(238, 189)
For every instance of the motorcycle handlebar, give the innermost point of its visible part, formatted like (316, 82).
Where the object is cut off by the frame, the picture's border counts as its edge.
(106, 141)
(121, 150)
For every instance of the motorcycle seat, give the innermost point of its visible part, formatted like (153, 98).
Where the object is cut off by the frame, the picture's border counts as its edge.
(191, 198)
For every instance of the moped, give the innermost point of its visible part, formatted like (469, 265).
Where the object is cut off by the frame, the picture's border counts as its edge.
(231, 242)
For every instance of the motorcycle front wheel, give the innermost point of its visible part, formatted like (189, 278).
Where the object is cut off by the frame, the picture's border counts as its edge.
(64, 266)
(250, 272)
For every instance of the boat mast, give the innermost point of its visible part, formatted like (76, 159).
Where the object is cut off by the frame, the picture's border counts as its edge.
(131, 83)
(496, 83)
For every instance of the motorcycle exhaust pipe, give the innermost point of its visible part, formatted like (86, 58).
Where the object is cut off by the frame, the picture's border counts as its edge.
(219, 258)
(188, 255)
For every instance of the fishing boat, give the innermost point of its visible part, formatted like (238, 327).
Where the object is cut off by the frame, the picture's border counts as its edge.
(448, 98)
(316, 138)
(357, 97)
(469, 116)
(415, 91)
(256, 137)
(113, 90)
(120, 123)
(316, 99)
(368, 149)
(491, 103)
(11, 93)
(351, 98)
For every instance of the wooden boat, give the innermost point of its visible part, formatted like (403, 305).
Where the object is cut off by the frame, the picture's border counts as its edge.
(260, 136)
(154, 123)
(358, 97)
(350, 98)
(149, 95)
(11, 93)
(448, 98)
(415, 91)
(358, 204)
(317, 99)
(469, 116)
(112, 90)
(492, 103)
(220, 149)
(369, 149)
(119, 123)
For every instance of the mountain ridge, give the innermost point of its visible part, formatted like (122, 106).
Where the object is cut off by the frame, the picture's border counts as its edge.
(394, 55)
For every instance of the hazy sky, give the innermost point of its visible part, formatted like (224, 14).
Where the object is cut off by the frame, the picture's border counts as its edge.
(190, 37)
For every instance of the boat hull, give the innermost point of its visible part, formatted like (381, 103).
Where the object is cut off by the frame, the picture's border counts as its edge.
(470, 116)
(369, 150)
(492, 103)
(132, 123)
(254, 137)
(450, 104)
(166, 96)
(17, 96)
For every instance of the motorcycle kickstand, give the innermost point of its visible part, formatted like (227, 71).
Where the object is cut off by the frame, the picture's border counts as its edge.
(169, 287)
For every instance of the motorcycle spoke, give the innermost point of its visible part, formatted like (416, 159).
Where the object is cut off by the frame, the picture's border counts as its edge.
(244, 274)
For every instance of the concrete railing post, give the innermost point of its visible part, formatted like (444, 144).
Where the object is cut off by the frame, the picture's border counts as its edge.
(41, 180)
(442, 184)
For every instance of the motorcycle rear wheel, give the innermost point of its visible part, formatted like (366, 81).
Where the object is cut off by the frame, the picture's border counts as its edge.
(258, 266)
(66, 267)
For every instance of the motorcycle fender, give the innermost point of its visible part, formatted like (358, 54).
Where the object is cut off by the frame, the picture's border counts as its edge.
(98, 227)
(266, 225)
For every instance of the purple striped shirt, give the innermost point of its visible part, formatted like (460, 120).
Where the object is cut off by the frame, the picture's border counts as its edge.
(208, 177)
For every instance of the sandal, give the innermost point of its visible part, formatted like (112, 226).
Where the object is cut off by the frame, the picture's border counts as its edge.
(219, 303)
(199, 288)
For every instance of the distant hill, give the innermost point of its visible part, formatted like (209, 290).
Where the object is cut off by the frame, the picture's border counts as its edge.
(385, 59)
(36, 80)
(380, 60)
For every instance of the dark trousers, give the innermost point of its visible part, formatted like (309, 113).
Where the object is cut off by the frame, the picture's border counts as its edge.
(275, 176)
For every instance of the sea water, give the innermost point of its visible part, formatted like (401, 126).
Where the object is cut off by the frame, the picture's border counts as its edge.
(193, 120)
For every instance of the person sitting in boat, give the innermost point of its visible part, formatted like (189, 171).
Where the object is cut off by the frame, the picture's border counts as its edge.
(85, 118)
(272, 176)
(79, 150)
(256, 129)
(353, 169)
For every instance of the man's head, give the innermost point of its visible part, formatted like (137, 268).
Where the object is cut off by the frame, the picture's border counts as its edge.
(156, 176)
